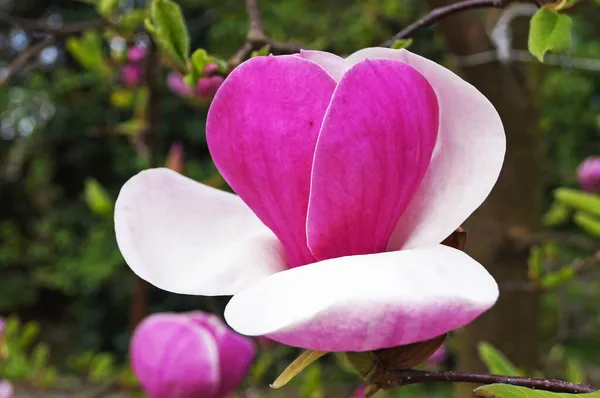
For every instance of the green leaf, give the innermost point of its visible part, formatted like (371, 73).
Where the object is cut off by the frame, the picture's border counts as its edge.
(509, 391)
(553, 279)
(170, 32)
(535, 263)
(578, 200)
(298, 365)
(589, 223)
(575, 373)
(401, 43)
(262, 52)
(98, 200)
(88, 51)
(549, 31)
(496, 362)
(107, 7)
(556, 215)
(200, 60)
(562, 5)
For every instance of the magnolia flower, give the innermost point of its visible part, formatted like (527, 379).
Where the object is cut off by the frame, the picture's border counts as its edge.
(131, 75)
(588, 174)
(6, 389)
(359, 392)
(191, 355)
(348, 173)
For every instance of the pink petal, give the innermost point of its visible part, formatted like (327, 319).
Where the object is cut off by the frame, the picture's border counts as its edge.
(466, 161)
(367, 302)
(236, 352)
(334, 65)
(177, 85)
(189, 238)
(173, 358)
(261, 130)
(373, 150)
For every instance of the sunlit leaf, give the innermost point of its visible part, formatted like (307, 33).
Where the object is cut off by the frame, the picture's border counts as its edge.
(589, 223)
(170, 32)
(495, 361)
(98, 200)
(578, 200)
(401, 43)
(549, 31)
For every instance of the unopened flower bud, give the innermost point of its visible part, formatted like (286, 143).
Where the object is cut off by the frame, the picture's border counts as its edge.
(131, 75)
(190, 355)
(588, 174)
(207, 86)
(136, 54)
(177, 85)
(6, 389)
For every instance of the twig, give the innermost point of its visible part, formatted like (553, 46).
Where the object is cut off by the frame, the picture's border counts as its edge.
(23, 58)
(146, 146)
(437, 14)
(256, 38)
(412, 376)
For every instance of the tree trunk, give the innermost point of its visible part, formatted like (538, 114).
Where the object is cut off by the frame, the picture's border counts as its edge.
(514, 207)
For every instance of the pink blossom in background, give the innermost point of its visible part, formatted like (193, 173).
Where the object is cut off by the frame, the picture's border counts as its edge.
(207, 86)
(2, 326)
(189, 355)
(6, 389)
(136, 54)
(359, 392)
(588, 174)
(438, 357)
(131, 75)
(349, 173)
(177, 85)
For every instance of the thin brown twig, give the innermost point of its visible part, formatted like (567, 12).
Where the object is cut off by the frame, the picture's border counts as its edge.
(397, 377)
(437, 14)
(23, 58)
(256, 38)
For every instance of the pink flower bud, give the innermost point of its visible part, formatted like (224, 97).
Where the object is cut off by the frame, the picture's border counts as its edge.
(131, 75)
(2, 327)
(359, 392)
(6, 389)
(211, 68)
(136, 54)
(175, 158)
(207, 86)
(438, 356)
(177, 85)
(588, 174)
(189, 355)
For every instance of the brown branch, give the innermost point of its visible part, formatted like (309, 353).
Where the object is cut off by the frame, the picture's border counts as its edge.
(24, 57)
(256, 38)
(437, 14)
(53, 34)
(396, 378)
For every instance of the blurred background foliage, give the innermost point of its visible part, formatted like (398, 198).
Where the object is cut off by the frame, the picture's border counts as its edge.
(67, 122)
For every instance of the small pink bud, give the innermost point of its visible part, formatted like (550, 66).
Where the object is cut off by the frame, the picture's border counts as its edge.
(175, 158)
(207, 86)
(588, 174)
(359, 392)
(438, 357)
(6, 389)
(131, 75)
(189, 355)
(2, 327)
(136, 54)
(211, 68)
(177, 85)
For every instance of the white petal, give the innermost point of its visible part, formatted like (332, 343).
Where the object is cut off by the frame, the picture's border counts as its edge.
(466, 161)
(189, 238)
(366, 302)
(334, 65)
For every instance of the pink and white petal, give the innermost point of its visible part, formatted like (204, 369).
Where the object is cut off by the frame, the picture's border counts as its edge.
(467, 159)
(188, 238)
(334, 65)
(236, 352)
(261, 130)
(174, 358)
(367, 302)
(373, 150)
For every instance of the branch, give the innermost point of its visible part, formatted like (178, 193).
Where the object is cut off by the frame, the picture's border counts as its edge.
(256, 38)
(53, 34)
(437, 14)
(22, 59)
(411, 376)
